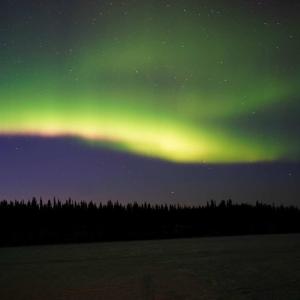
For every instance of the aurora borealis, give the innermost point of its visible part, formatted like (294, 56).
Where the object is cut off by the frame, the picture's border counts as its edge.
(186, 82)
(167, 80)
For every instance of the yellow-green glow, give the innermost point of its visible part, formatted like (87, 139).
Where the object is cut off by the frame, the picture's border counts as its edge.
(134, 132)
(163, 82)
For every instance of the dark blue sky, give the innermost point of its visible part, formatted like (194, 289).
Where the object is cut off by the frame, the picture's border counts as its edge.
(145, 84)
(66, 167)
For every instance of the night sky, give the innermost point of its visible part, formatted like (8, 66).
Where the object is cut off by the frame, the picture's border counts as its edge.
(159, 101)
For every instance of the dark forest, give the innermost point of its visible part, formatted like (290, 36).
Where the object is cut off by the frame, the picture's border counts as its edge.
(53, 222)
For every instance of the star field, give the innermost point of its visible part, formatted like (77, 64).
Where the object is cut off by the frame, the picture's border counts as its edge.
(186, 82)
(162, 101)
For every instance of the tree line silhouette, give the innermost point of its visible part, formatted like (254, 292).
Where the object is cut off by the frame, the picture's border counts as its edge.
(38, 222)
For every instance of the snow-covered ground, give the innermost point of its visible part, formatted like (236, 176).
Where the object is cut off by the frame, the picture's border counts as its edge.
(243, 267)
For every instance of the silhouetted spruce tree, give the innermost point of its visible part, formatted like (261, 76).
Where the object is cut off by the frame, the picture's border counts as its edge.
(33, 222)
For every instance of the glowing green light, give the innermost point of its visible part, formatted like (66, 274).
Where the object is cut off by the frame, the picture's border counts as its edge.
(168, 85)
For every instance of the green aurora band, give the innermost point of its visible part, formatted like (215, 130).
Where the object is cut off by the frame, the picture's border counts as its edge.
(181, 84)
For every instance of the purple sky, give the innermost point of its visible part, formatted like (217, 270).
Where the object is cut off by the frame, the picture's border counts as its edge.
(65, 167)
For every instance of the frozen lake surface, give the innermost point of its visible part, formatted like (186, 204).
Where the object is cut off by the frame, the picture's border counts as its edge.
(243, 267)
